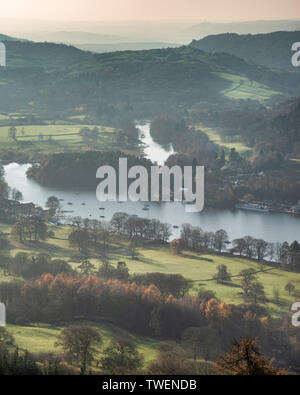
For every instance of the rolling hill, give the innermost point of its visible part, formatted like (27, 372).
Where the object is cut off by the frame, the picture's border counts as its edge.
(124, 46)
(57, 76)
(78, 37)
(271, 50)
(4, 37)
(246, 27)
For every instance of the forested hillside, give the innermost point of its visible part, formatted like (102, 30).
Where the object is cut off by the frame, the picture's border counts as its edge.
(276, 129)
(50, 76)
(272, 50)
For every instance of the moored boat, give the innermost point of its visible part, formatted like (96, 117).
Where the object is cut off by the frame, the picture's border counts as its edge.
(252, 207)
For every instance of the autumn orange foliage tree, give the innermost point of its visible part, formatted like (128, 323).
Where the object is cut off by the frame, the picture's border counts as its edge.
(177, 245)
(245, 359)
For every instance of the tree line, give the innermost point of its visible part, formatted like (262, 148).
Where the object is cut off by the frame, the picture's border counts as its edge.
(145, 310)
(197, 239)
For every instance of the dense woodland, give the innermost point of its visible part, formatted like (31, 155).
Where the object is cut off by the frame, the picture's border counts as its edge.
(56, 77)
(78, 170)
(275, 130)
(272, 50)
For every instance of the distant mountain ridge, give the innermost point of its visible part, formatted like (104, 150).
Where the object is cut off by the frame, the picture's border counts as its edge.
(124, 46)
(272, 50)
(247, 27)
(76, 37)
(4, 37)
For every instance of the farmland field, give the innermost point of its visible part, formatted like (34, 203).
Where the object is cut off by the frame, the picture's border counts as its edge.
(54, 138)
(215, 137)
(243, 88)
(41, 338)
(199, 268)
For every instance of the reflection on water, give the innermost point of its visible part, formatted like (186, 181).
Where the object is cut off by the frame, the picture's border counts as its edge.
(268, 226)
(154, 151)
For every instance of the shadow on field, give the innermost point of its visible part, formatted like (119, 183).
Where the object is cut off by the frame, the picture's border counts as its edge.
(196, 258)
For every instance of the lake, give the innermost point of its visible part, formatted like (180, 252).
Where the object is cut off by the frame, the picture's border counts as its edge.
(271, 227)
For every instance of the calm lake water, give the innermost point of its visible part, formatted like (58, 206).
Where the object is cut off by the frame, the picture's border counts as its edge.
(271, 227)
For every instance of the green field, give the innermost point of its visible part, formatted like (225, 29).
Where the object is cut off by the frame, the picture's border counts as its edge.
(196, 267)
(216, 138)
(242, 88)
(200, 268)
(54, 138)
(5, 228)
(41, 338)
(4, 117)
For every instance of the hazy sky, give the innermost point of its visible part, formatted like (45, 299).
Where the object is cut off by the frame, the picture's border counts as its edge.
(151, 9)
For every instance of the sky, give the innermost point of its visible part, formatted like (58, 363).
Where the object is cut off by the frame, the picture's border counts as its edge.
(212, 10)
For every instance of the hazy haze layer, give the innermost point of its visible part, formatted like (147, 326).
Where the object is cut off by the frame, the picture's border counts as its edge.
(233, 10)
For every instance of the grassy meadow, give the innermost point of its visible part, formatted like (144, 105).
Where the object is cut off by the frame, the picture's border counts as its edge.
(216, 138)
(46, 139)
(41, 338)
(199, 268)
(242, 88)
